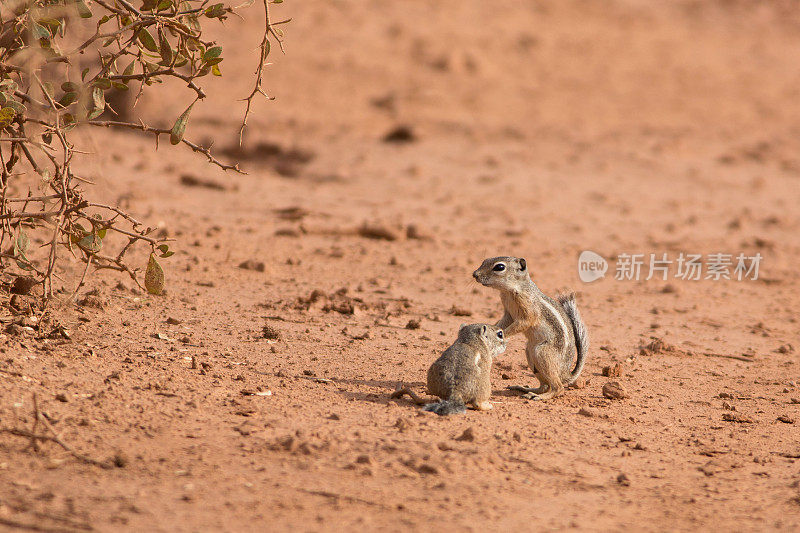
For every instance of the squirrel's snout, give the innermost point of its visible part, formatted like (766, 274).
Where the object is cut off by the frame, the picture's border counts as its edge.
(475, 275)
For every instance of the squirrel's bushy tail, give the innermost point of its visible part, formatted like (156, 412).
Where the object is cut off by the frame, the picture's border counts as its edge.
(446, 407)
(567, 301)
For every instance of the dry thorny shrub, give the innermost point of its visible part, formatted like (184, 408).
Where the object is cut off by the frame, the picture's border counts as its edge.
(60, 63)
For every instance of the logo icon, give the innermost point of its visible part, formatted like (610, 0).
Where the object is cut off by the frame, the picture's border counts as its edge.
(591, 266)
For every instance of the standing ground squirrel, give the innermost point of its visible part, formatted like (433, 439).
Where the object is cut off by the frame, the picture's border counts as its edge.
(556, 334)
(460, 376)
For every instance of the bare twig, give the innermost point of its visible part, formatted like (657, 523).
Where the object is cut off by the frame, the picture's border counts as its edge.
(730, 356)
(264, 52)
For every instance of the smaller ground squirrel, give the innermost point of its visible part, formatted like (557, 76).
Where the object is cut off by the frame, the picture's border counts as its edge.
(460, 376)
(554, 329)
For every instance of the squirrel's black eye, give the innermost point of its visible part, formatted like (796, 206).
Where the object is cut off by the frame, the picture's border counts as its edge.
(500, 334)
(499, 267)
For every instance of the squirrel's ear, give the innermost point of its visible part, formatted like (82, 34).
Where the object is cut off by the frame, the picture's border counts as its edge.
(462, 326)
(522, 264)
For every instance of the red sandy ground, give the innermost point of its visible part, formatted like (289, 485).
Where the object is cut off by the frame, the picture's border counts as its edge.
(540, 129)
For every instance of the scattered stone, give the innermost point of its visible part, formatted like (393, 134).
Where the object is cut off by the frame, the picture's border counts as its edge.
(586, 411)
(22, 304)
(712, 467)
(460, 311)
(613, 371)
(174, 321)
(426, 468)
(623, 480)
(262, 393)
(270, 333)
(414, 323)
(334, 416)
(613, 390)
(23, 285)
(92, 300)
(786, 419)
(400, 135)
(378, 231)
(726, 395)
(785, 348)
(252, 264)
(193, 181)
(413, 232)
(669, 288)
(728, 407)
(467, 436)
(402, 424)
(15, 330)
(120, 460)
(658, 346)
(738, 418)
(61, 397)
(338, 301)
(287, 232)
(364, 459)
(291, 213)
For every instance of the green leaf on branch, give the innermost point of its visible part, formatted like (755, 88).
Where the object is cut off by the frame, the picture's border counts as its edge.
(165, 251)
(83, 10)
(8, 86)
(68, 98)
(49, 90)
(212, 53)
(164, 49)
(91, 243)
(69, 87)
(217, 11)
(147, 40)
(20, 247)
(21, 243)
(176, 135)
(99, 102)
(154, 276)
(216, 71)
(6, 116)
(16, 106)
(40, 32)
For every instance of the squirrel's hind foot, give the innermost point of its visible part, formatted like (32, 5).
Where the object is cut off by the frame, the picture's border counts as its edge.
(529, 390)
